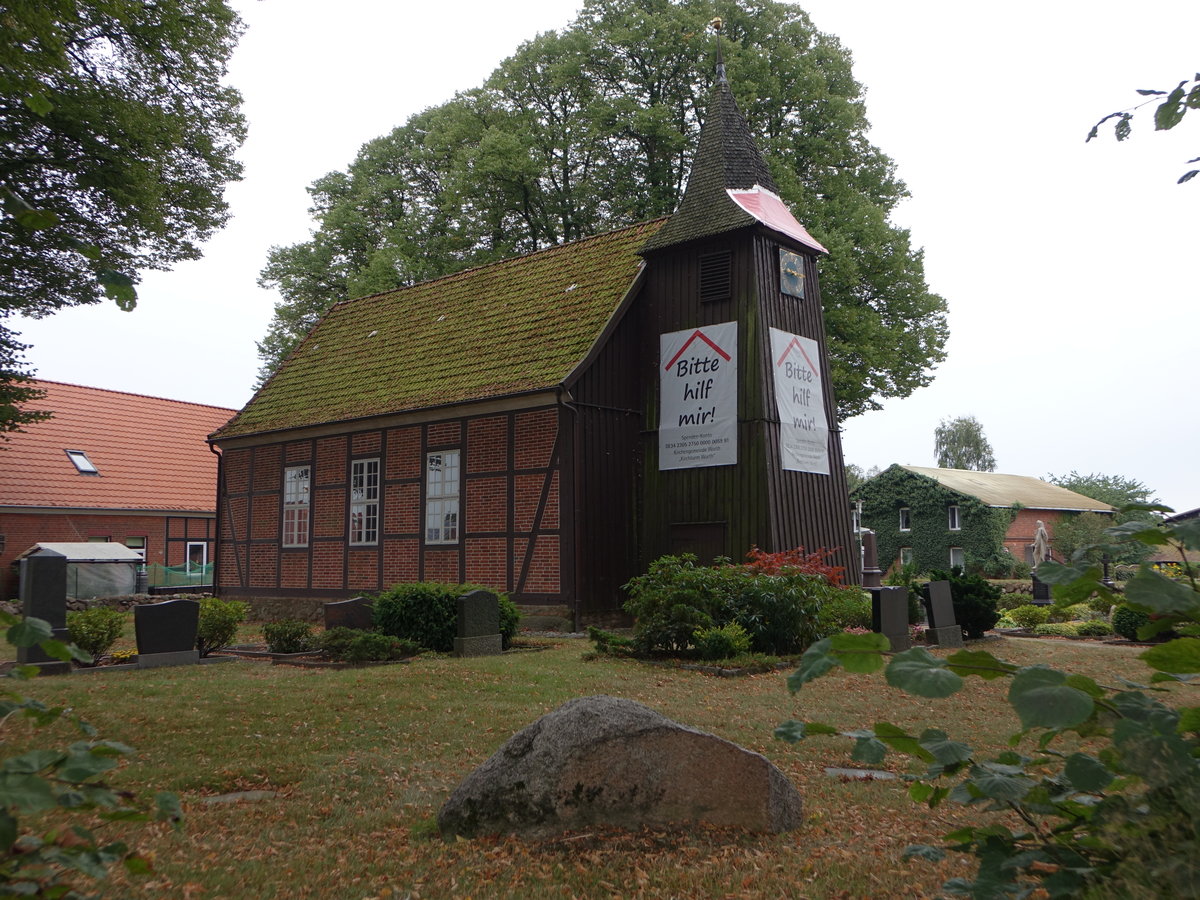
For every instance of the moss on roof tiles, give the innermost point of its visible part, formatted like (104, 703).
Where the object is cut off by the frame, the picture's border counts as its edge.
(518, 325)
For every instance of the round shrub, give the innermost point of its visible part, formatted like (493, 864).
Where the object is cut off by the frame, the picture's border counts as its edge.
(219, 621)
(726, 642)
(1093, 628)
(1056, 629)
(974, 601)
(1127, 621)
(95, 630)
(848, 608)
(427, 612)
(1006, 622)
(289, 636)
(1074, 613)
(1013, 600)
(1029, 616)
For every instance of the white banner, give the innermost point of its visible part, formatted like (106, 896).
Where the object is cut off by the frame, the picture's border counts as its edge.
(697, 422)
(803, 428)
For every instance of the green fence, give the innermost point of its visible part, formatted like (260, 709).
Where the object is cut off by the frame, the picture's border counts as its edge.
(178, 576)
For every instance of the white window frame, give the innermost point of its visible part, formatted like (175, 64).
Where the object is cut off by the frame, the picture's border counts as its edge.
(364, 502)
(297, 504)
(82, 464)
(905, 518)
(962, 558)
(443, 488)
(954, 517)
(187, 559)
(905, 556)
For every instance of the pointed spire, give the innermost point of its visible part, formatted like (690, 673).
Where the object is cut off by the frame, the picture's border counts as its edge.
(727, 158)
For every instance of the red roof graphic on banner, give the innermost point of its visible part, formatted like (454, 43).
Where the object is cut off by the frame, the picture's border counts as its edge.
(704, 337)
(772, 212)
(795, 343)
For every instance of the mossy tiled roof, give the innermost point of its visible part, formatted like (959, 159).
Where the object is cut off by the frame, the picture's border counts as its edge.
(514, 326)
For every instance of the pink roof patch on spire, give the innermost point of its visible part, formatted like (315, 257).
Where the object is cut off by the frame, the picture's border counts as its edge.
(771, 211)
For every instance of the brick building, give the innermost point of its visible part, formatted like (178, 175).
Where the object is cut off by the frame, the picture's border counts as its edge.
(936, 518)
(549, 424)
(110, 466)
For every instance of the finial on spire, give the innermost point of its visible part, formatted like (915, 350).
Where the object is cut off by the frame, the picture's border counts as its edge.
(716, 24)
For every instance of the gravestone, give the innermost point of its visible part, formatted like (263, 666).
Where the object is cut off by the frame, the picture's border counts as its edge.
(612, 761)
(43, 595)
(1041, 592)
(358, 612)
(889, 615)
(939, 608)
(478, 625)
(872, 574)
(166, 633)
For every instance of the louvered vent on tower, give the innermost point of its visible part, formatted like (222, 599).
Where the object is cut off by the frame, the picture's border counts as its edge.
(715, 276)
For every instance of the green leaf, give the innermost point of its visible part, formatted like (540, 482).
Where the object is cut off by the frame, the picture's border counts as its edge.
(27, 793)
(65, 652)
(39, 104)
(118, 287)
(8, 832)
(81, 766)
(860, 653)
(1180, 656)
(815, 662)
(1043, 699)
(30, 632)
(1189, 719)
(869, 749)
(1085, 684)
(167, 807)
(1162, 596)
(790, 731)
(137, 865)
(1087, 773)
(1170, 112)
(923, 851)
(1005, 784)
(1150, 535)
(919, 672)
(36, 219)
(899, 739)
(34, 761)
(944, 750)
(978, 662)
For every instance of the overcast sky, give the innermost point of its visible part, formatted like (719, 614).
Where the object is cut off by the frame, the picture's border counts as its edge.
(1070, 269)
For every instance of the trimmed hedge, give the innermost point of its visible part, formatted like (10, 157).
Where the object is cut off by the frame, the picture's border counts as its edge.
(427, 612)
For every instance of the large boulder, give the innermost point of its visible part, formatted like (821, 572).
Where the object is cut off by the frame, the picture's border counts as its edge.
(604, 760)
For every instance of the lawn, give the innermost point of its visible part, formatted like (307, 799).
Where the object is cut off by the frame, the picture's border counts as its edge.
(359, 761)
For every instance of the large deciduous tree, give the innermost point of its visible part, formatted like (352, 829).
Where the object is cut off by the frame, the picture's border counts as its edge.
(116, 142)
(592, 128)
(961, 444)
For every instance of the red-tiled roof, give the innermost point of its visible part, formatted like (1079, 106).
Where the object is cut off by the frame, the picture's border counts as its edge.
(150, 453)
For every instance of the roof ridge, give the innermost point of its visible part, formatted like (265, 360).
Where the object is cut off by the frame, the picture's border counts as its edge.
(89, 387)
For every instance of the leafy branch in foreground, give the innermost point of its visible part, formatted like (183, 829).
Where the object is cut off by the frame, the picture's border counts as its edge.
(1116, 815)
(65, 781)
(1168, 114)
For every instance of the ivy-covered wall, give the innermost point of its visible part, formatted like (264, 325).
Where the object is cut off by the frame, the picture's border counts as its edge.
(980, 535)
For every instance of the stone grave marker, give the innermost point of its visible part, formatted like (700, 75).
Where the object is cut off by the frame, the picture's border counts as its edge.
(872, 574)
(612, 761)
(1041, 592)
(478, 625)
(166, 633)
(357, 612)
(43, 595)
(943, 629)
(889, 615)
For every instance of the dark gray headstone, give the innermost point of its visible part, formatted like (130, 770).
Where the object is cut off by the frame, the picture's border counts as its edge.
(166, 633)
(1041, 591)
(872, 574)
(478, 625)
(889, 615)
(43, 595)
(943, 629)
(357, 612)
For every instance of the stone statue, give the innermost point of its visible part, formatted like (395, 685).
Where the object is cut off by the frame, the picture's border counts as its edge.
(1041, 544)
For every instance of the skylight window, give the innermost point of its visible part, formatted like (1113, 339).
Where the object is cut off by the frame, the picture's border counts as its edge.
(82, 463)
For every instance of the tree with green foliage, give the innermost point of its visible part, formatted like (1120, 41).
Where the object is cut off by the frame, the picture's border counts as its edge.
(1128, 496)
(116, 141)
(1113, 815)
(1169, 113)
(961, 444)
(592, 128)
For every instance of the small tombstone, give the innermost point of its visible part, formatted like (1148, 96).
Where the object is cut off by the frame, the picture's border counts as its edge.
(612, 761)
(166, 633)
(1041, 591)
(478, 625)
(43, 594)
(872, 574)
(889, 615)
(943, 629)
(357, 612)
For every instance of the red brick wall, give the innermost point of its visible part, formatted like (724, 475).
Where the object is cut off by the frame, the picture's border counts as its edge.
(22, 530)
(1021, 532)
(493, 537)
